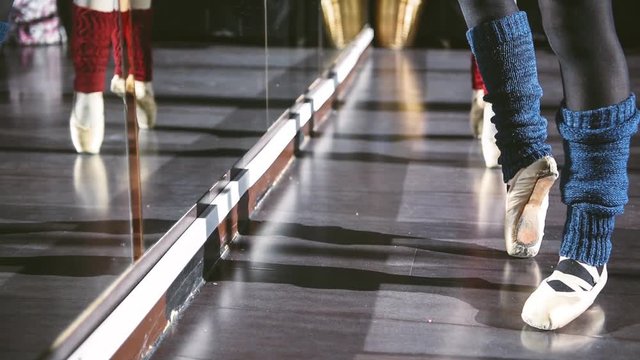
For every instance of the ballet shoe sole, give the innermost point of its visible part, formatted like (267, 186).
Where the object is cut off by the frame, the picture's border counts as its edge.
(526, 233)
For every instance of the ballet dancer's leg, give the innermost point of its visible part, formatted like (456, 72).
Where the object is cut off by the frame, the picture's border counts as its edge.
(93, 23)
(136, 33)
(501, 40)
(596, 121)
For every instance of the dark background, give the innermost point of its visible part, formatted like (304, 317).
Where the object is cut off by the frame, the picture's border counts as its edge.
(442, 25)
(297, 22)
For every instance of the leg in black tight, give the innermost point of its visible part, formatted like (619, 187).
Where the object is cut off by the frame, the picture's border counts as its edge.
(479, 11)
(501, 40)
(596, 124)
(583, 36)
(5, 8)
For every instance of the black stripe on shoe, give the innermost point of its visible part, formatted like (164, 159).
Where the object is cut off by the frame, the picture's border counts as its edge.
(572, 267)
(559, 286)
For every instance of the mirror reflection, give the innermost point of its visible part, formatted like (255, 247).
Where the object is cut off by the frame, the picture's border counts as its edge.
(209, 89)
(64, 218)
(295, 38)
(304, 39)
(116, 111)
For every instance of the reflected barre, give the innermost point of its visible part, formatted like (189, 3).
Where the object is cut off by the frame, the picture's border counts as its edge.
(150, 306)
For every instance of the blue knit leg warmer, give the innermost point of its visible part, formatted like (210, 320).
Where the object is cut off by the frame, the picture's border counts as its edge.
(594, 180)
(507, 61)
(4, 28)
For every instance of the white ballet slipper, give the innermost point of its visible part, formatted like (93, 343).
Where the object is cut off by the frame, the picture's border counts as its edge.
(565, 295)
(526, 207)
(146, 108)
(476, 113)
(490, 151)
(118, 85)
(87, 122)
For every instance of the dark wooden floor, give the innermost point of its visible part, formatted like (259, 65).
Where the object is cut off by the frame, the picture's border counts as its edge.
(384, 241)
(64, 218)
(214, 103)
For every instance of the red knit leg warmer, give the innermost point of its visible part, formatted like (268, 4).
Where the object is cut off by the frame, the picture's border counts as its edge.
(135, 31)
(121, 36)
(90, 46)
(476, 79)
(141, 44)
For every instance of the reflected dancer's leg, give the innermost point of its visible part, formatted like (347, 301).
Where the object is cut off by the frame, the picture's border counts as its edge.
(93, 22)
(136, 33)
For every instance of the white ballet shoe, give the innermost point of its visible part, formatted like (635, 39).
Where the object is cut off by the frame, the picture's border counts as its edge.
(146, 109)
(87, 122)
(490, 151)
(118, 85)
(526, 207)
(565, 295)
(476, 113)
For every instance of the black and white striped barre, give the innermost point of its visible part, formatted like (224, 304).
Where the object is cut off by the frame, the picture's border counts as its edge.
(112, 333)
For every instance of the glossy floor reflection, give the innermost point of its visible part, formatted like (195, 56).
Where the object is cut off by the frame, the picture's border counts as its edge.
(64, 219)
(213, 107)
(384, 241)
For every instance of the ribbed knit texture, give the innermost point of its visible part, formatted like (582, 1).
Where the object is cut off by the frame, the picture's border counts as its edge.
(587, 237)
(504, 51)
(121, 36)
(136, 32)
(142, 59)
(4, 29)
(594, 181)
(90, 45)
